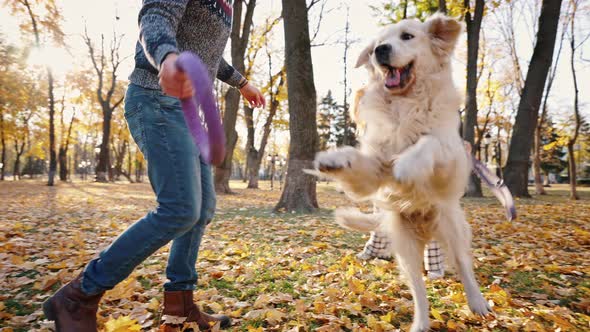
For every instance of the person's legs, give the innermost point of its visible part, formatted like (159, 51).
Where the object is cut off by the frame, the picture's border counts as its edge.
(378, 246)
(434, 260)
(157, 125)
(181, 271)
(179, 306)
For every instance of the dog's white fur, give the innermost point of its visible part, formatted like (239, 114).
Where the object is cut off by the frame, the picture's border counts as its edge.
(411, 161)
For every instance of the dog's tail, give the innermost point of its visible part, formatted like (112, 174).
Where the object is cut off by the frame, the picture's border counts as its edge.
(356, 220)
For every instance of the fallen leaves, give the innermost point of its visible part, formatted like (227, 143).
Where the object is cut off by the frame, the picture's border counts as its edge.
(122, 324)
(290, 272)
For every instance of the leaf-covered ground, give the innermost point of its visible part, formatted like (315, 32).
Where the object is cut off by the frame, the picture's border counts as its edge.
(292, 272)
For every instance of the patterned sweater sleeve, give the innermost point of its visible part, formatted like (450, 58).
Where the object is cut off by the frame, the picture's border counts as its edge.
(228, 74)
(158, 23)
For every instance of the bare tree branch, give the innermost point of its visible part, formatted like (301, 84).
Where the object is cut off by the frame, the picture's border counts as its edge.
(312, 3)
(247, 26)
(320, 18)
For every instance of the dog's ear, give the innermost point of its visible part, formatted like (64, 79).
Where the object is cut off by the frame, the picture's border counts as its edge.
(364, 56)
(444, 32)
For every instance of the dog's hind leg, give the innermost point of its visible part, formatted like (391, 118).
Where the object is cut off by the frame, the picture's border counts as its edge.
(409, 255)
(354, 219)
(455, 233)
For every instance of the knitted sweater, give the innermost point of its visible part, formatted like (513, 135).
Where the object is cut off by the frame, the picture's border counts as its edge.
(173, 26)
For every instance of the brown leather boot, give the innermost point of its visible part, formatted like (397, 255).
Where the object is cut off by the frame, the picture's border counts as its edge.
(71, 309)
(180, 305)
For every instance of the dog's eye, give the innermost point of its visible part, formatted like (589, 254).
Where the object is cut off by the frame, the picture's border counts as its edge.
(407, 36)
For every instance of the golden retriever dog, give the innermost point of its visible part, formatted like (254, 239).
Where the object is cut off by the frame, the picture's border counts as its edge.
(411, 161)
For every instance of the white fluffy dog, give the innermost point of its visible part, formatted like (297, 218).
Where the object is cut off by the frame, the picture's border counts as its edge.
(411, 161)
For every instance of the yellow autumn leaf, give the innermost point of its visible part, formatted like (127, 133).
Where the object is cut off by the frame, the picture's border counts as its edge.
(124, 289)
(356, 285)
(456, 326)
(300, 307)
(57, 266)
(17, 260)
(319, 306)
(372, 322)
(122, 324)
(251, 328)
(532, 326)
(387, 318)
(458, 297)
(153, 304)
(436, 314)
(215, 307)
(320, 245)
(236, 313)
(274, 316)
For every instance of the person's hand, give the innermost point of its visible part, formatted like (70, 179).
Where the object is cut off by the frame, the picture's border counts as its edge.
(467, 147)
(173, 81)
(253, 95)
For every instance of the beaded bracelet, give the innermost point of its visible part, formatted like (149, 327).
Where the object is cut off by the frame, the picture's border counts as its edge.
(243, 83)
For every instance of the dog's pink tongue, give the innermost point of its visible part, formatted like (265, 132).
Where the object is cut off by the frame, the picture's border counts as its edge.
(393, 78)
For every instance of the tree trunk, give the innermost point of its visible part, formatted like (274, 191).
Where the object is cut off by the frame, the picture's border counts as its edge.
(223, 172)
(255, 156)
(52, 154)
(470, 121)
(572, 141)
(105, 98)
(31, 166)
(120, 153)
(129, 163)
(3, 142)
(63, 164)
(16, 170)
(442, 6)
(349, 138)
(138, 168)
(251, 152)
(253, 169)
(571, 158)
(299, 193)
(18, 152)
(240, 35)
(102, 168)
(516, 173)
(266, 131)
(64, 146)
(405, 11)
(537, 164)
(539, 186)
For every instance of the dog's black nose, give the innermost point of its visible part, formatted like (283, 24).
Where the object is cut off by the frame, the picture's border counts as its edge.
(382, 53)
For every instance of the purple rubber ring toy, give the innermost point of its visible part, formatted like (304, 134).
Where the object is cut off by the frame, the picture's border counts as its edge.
(210, 140)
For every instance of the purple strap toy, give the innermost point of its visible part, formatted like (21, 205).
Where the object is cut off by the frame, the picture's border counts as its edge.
(210, 140)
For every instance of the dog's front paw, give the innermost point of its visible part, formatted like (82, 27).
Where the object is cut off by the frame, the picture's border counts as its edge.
(332, 161)
(479, 305)
(420, 326)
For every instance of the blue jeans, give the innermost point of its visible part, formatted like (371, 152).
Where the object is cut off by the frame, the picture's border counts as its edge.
(184, 191)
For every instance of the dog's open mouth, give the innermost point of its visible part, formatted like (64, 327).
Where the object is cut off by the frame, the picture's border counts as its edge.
(398, 80)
